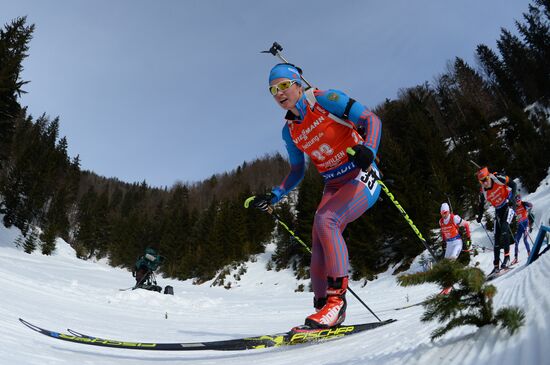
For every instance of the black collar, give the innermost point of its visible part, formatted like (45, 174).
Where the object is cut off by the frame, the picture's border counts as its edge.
(291, 116)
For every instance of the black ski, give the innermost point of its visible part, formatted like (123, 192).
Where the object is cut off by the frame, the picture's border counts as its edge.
(277, 340)
(499, 274)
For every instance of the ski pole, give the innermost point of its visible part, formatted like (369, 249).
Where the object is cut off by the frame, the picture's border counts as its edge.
(525, 233)
(141, 281)
(489, 237)
(406, 216)
(475, 245)
(529, 236)
(519, 240)
(278, 220)
(449, 202)
(475, 164)
(512, 233)
(351, 152)
(530, 239)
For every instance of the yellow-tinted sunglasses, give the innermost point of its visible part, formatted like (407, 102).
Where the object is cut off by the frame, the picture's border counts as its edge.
(283, 85)
(484, 179)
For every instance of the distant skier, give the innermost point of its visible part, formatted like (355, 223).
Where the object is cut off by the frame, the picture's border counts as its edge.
(450, 224)
(500, 191)
(523, 209)
(323, 125)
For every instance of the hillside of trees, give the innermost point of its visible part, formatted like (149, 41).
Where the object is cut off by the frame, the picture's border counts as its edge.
(494, 113)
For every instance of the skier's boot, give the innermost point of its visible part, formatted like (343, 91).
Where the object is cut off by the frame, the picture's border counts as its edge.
(333, 312)
(495, 271)
(514, 261)
(506, 262)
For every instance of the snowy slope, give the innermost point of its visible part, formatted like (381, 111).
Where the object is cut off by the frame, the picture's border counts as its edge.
(62, 291)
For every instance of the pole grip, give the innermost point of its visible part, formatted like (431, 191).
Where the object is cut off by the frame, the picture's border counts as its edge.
(248, 201)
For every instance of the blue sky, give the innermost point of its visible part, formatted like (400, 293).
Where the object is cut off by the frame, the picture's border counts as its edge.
(168, 91)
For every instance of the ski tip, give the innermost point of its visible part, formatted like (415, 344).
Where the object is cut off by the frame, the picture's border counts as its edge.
(30, 325)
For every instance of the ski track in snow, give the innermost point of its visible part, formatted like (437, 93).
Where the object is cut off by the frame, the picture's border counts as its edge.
(61, 291)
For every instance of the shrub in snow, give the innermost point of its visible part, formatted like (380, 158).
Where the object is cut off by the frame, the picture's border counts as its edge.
(469, 303)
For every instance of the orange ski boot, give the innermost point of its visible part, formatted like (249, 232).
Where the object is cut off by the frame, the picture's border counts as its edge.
(333, 312)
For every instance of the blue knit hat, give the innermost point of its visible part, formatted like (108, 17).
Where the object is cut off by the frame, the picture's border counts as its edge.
(285, 70)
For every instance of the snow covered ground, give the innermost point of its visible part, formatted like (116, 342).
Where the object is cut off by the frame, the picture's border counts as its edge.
(62, 291)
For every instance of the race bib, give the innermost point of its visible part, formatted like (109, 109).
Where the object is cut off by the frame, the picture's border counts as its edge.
(510, 216)
(368, 178)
